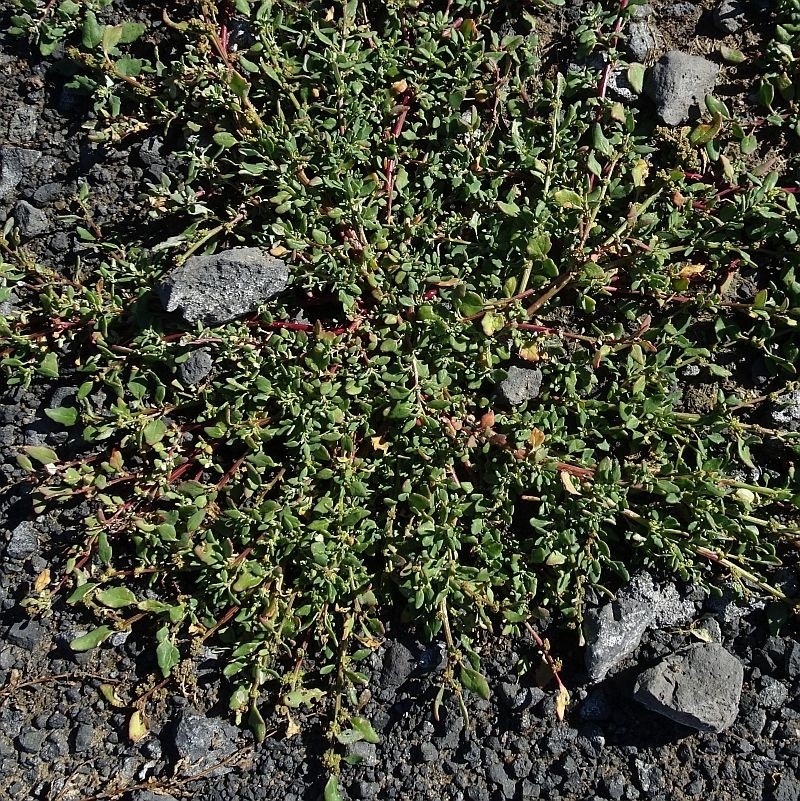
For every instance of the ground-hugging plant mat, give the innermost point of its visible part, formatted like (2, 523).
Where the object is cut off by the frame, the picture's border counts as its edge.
(68, 727)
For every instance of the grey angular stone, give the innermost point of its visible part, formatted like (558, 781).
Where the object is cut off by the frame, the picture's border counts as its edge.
(787, 789)
(27, 634)
(84, 734)
(520, 385)
(729, 16)
(9, 306)
(203, 742)
(24, 541)
(196, 367)
(786, 411)
(644, 40)
(224, 286)
(149, 795)
(14, 163)
(398, 665)
(698, 686)
(428, 752)
(30, 740)
(669, 609)
(613, 632)
(367, 753)
(23, 124)
(677, 82)
(30, 220)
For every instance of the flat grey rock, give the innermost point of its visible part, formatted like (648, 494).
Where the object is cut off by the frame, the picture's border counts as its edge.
(149, 795)
(669, 609)
(14, 163)
(729, 16)
(30, 220)
(520, 385)
(24, 541)
(677, 82)
(203, 742)
(644, 40)
(27, 634)
(23, 124)
(786, 411)
(615, 630)
(698, 686)
(221, 287)
(612, 633)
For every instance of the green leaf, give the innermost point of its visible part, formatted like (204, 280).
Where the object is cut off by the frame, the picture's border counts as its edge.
(92, 639)
(511, 209)
(103, 548)
(131, 31)
(470, 305)
(92, 32)
(748, 145)
(79, 593)
(154, 431)
(475, 682)
(167, 656)
(49, 366)
(116, 597)
(41, 454)
(567, 198)
(243, 7)
(257, 724)
(538, 246)
(636, 73)
(364, 728)
(706, 131)
(731, 55)
(332, 792)
(129, 67)
(224, 139)
(65, 415)
(112, 35)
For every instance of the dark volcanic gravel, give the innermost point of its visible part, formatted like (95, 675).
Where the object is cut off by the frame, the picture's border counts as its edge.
(64, 717)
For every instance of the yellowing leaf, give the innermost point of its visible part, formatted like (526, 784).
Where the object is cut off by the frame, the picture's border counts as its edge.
(292, 728)
(491, 323)
(536, 439)
(639, 172)
(530, 352)
(138, 727)
(42, 580)
(562, 702)
(688, 270)
(569, 486)
(278, 251)
(398, 87)
(109, 692)
(378, 444)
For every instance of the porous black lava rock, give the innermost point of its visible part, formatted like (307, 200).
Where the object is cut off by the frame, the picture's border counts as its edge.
(196, 367)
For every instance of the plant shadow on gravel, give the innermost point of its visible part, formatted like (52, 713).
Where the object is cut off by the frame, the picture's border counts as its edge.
(448, 213)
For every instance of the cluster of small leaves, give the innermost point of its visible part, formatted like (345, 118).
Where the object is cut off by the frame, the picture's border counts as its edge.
(47, 24)
(448, 212)
(779, 62)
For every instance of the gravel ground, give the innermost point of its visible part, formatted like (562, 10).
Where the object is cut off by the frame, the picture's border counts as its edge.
(667, 667)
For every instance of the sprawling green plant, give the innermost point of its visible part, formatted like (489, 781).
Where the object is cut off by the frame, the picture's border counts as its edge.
(448, 210)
